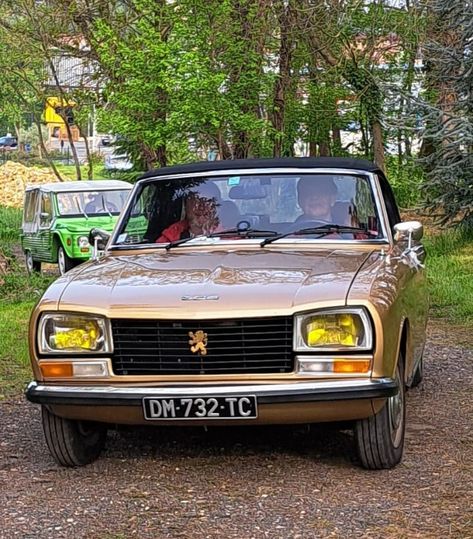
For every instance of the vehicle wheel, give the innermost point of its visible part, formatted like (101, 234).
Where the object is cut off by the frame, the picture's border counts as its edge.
(419, 374)
(65, 263)
(380, 438)
(72, 442)
(32, 265)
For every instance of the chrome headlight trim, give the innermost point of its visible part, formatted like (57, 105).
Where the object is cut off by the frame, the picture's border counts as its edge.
(300, 346)
(102, 322)
(83, 241)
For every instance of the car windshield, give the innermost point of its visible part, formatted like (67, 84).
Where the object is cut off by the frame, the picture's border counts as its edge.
(252, 206)
(91, 202)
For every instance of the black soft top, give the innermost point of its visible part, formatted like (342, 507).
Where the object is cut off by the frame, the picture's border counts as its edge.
(292, 162)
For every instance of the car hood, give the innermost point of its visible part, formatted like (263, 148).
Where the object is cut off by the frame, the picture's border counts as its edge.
(84, 226)
(215, 283)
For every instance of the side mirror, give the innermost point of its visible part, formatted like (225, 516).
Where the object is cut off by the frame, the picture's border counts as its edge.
(408, 231)
(98, 238)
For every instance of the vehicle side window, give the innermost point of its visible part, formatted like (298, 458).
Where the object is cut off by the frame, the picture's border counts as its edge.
(46, 210)
(390, 202)
(31, 200)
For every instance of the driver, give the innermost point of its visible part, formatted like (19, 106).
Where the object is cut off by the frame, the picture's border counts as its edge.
(201, 215)
(316, 197)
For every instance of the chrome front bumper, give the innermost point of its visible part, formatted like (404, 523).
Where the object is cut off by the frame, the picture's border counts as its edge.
(314, 391)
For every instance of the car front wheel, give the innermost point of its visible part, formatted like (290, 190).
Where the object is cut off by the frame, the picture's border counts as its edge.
(72, 442)
(65, 263)
(32, 265)
(380, 438)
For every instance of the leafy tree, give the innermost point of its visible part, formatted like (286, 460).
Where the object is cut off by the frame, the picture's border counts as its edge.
(449, 114)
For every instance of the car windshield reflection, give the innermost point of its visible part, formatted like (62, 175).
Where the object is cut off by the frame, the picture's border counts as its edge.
(173, 212)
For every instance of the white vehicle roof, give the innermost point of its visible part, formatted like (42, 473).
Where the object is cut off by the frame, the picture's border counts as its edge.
(98, 185)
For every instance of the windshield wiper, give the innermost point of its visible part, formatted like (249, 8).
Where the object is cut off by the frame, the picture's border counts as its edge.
(322, 230)
(247, 233)
(105, 207)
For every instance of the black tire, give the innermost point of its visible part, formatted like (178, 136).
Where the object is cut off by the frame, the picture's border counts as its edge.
(380, 438)
(72, 442)
(64, 262)
(419, 374)
(32, 265)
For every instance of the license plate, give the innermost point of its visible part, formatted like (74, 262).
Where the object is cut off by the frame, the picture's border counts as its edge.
(159, 408)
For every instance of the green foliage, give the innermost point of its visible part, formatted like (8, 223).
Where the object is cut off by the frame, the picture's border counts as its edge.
(14, 357)
(16, 285)
(10, 224)
(447, 155)
(31, 136)
(449, 263)
(406, 178)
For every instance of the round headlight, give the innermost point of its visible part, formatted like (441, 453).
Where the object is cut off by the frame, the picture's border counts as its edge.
(83, 241)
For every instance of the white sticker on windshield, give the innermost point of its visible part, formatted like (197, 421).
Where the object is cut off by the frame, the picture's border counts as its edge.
(121, 238)
(234, 180)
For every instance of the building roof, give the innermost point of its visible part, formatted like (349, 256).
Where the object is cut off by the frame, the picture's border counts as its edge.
(293, 162)
(97, 185)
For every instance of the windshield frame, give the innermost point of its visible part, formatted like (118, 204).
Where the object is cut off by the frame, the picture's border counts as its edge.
(386, 238)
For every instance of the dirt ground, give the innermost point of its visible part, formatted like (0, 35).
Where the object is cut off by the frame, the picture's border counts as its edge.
(253, 483)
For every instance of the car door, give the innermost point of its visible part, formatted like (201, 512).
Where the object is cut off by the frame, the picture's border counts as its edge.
(30, 223)
(44, 230)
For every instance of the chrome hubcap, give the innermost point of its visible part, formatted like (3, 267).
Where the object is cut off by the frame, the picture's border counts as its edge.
(61, 262)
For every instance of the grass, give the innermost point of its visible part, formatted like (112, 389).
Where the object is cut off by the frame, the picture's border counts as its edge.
(68, 172)
(450, 273)
(15, 370)
(10, 225)
(18, 295)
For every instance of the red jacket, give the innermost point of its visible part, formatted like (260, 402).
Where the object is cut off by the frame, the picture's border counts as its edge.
(173, 232)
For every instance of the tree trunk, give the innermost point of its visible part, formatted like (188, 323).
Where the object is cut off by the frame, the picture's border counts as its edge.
(378, 145)
(337, 139)
(44, 149)
(283, 80)
(324, 149)
(90, 164)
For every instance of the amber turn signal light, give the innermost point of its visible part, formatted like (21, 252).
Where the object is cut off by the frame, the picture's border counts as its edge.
(56, 370)
(351, 367)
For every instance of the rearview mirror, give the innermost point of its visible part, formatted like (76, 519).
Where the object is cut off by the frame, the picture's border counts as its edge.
(247, 192)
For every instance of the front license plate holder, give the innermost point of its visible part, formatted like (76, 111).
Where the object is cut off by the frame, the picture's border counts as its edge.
(208, 407)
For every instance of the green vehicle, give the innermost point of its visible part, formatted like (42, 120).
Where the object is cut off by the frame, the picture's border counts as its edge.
(58, 217)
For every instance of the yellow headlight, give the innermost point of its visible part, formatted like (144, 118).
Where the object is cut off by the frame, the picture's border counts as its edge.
(73, 333)
(85, 338)
(335, 330)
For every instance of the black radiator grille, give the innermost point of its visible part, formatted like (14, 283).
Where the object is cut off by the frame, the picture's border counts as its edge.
(242, 346)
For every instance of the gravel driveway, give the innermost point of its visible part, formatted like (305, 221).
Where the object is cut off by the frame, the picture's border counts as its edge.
(244, 483)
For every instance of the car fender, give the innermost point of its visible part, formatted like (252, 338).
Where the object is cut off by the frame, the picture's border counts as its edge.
(60, 237)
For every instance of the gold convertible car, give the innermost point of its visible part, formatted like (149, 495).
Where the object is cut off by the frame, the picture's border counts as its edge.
(273, 291)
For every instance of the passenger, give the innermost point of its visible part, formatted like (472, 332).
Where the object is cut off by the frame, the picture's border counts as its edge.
(316, 197)
(201, 215)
